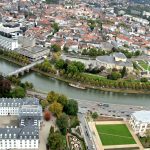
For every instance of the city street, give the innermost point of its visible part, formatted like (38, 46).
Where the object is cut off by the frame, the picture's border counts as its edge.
(87, 134)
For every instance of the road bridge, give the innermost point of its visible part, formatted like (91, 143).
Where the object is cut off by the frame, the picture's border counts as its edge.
(23, 69)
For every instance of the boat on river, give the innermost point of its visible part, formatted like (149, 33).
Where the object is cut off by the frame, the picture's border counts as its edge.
(77, 86)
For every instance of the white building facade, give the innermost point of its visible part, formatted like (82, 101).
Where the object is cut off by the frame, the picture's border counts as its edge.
(26, 135)
(140, 122)
(8, 43)
(9, 34)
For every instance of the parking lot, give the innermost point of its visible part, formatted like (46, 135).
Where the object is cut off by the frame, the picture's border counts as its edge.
(110, 110)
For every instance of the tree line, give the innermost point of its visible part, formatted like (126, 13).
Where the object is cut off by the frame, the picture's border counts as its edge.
(113, 80)
(15, 56)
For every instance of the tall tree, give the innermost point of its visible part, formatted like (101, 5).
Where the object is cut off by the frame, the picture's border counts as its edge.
(55, 48)
(55, 141)
(71, 108)
(123, 71)
(56, 108)
(18, 92)
(62, 99)
(62, 123)
(52, 96)
(5, 87)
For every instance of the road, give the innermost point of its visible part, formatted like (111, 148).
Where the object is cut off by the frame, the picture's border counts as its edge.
(86, 132)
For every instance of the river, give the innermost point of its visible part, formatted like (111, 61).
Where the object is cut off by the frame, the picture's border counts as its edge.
(47, 84)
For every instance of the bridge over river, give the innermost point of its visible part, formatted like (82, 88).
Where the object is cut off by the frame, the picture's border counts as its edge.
(23, 69)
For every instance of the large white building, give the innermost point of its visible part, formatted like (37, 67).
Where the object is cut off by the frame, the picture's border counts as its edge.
(140, 122)
(9, 36)
(26, 135)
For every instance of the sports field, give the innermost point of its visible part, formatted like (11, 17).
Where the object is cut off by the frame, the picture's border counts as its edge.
(114, 134)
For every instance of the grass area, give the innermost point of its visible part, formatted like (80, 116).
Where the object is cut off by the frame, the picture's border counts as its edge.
(117, 134)
(144, 64)
(94, 76)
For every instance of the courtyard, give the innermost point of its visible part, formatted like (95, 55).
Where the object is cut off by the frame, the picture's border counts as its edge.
(9, 121)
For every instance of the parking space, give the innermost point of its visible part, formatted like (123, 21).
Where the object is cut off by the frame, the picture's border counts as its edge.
(110, 110)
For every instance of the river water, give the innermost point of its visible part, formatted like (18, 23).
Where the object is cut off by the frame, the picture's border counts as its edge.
(47, 84)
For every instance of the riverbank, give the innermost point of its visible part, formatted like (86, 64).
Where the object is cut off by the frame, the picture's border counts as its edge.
(70, 81)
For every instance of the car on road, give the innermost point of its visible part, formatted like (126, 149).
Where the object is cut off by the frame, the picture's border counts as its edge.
(100, 104)
(106, 105)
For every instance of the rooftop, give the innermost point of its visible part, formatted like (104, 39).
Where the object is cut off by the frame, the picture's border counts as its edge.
(111, 60)
(142, 116)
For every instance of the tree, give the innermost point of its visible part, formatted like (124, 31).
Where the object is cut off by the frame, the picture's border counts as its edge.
(62, 99)
(18, 92)
(94, 115)
(114, 75)
(65, 49)
(52, 96)
(144, 80)
(62, 123)
(123, 72)
(44, 103)
(55, 27)
(52, 130)
(1, 77)
(5, 87)
(55, 141)
(71, 108)
(55, 48)
(137, 53)
(47, 115)
(56, 108)
(80, 66)
(93, 52)
(60, 64)
(72, 69)
(75, 67)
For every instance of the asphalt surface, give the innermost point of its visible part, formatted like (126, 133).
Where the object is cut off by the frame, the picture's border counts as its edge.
(86, 132)
(109, 110)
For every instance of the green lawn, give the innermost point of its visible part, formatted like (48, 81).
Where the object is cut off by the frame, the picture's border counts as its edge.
(117, 134)
(143, 64)
(94, 76)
